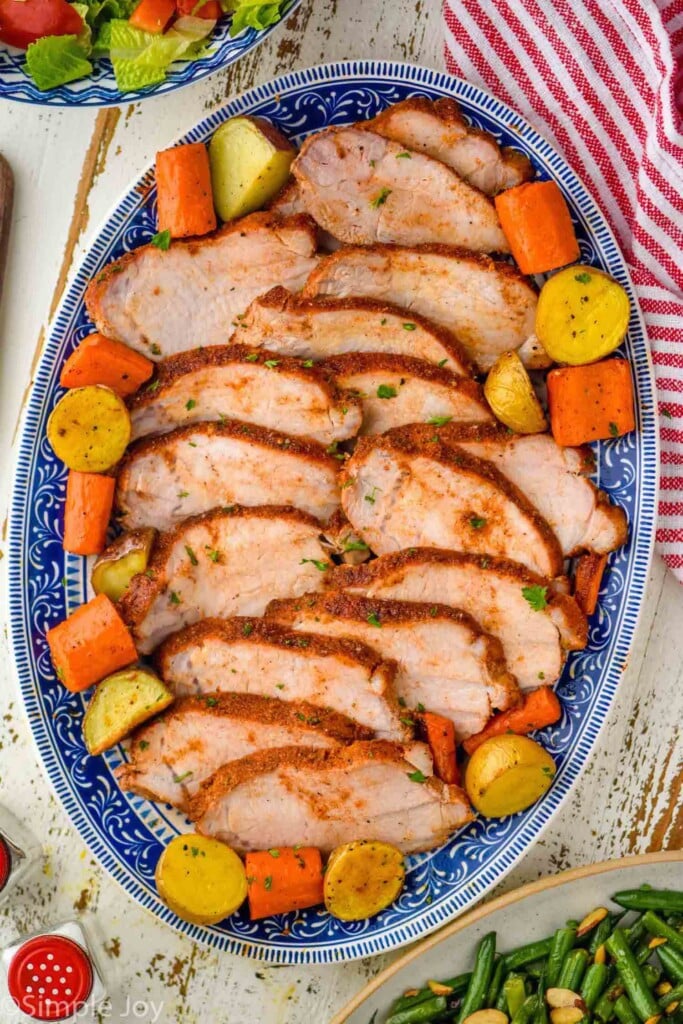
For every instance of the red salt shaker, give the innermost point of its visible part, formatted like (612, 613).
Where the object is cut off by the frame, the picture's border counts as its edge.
(19, 852)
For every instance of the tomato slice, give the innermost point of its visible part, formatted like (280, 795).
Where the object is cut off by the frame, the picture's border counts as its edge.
(24, 21)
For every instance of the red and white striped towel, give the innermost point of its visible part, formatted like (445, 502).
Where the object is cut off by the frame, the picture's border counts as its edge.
(603, 80)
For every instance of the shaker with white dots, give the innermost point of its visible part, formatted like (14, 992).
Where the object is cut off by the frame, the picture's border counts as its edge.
(19, 852)
(55, 976)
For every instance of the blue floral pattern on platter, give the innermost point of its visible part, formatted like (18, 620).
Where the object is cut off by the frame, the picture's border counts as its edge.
(100, 90)
(127, 833)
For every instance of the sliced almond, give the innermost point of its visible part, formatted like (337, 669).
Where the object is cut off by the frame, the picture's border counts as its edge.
(486, 1017)
(567, 1015)
(601, 955)
(438, 989)
(591, 921)
(671, 1008)
(410, 992)
(559, 997)
(658, 940)
(654, 1020)
(663, 988)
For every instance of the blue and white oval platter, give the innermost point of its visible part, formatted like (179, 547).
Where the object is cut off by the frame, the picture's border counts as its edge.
(100, 90)
(126, 833)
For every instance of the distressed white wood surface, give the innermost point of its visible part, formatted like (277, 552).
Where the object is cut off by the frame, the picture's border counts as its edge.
(70, 168)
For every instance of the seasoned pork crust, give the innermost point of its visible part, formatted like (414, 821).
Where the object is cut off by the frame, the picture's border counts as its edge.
(193, 469)
(160, 302)
(252, 385)
(356, 185)
(324, 798)
(535, 626)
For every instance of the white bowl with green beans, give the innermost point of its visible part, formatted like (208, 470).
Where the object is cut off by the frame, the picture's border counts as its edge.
(601, 944)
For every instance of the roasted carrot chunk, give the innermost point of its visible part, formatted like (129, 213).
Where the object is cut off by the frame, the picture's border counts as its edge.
(184, 196)
(536, 222)
(99, 360)
(587, 579)
(90, 644)
(89, 500)
(440, 735)
(283, 879)
(540, 708)
(591, 402)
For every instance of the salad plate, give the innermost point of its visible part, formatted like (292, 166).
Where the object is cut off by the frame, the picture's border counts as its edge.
(99, 89)
(127, 833)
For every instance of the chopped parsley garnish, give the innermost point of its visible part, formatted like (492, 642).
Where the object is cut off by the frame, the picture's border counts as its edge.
(583, 277)
(421, 708)
(381, 198)
(614, 430)
(442, 362)
(409, 327)
(183, 494)
(402, 701)
(355, 545)
(547, 770)
(190, 404)
(439, 421)
(155, 349)
(191, 555)
(541, 675)
(386, 391)
(408, 721)
(308, 363)
(433, 611)
(272, 363)
(417, 776)
(320, 566)
(279, 686)
(274, 852)
(477, 522)
(156, 384)
(370, 498)
(213, 554)
(268, 883)
(247, 629)
(251, 358)
(404, 156)
(143, 744)
(181, 778)
(373, 620)
(211, 702)
(173, 598)
(536, 596)
(162, 240)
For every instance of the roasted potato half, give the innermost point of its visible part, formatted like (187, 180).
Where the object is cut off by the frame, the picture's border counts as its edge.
(510, 394)
(507, 774)
(362, 878)
(89, 429)
(250, 161)
(125, 558)
(582, 315)
(121, 702)
(200, 879)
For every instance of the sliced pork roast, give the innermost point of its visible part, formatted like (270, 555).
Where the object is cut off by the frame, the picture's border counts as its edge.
(535, 622)
(319, 328)
(165, 302)
(396, 390)
(172, 756)
(165, 479)
(488, 304)
(554, 479)
(256, 657)
(446, 663)
(324, 798)
(364, 188)
(437, 128)
(255, 386)
(231, 561)
(398, 493)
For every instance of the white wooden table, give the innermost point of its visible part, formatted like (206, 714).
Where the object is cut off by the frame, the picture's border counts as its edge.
(70, 167)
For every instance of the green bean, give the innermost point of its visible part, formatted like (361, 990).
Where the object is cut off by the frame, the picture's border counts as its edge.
(636, 930)
(541, 1013)
(573, 970)
(642, 952)
(650, 899)
(514, 992)
(651, 974)
(674, 996)
(496, 985)
(458, 984)
(562, 942)
(475, 995)
(604, 1008)
(625, 1012)
(527, 954)
(594, 984)
(424, 1013)
(640, 996)
(672, 962)
(526, 1011)
(536, 969)
(601, 934)
(656, 926)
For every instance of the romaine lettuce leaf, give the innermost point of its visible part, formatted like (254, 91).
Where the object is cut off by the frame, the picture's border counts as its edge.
(55, 60)
(141, 59)
(253, 14)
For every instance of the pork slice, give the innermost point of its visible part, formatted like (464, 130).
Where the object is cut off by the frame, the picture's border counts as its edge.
(240, 383)
(397, 390)
(324, 798)
(191, 470)
(161, 302)
(318, 328)
(535, 623)
(174, 754)
(364, 188)
(398, 493)
(230, 561)
(437, 128)
(289, 203)
(256, 657)
(446, 662)
(553, 478)
(486, 303)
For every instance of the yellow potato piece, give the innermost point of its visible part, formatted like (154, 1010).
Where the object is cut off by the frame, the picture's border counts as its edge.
(512, 399)
(125, 558)
(250, 161)
(200, 879)
(121, 702)
(582, 315)
(507, 774)
(89, 429)
(362, 878)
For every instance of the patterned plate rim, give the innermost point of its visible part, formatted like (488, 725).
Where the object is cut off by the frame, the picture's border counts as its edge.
(647, 451)
(102, 92)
